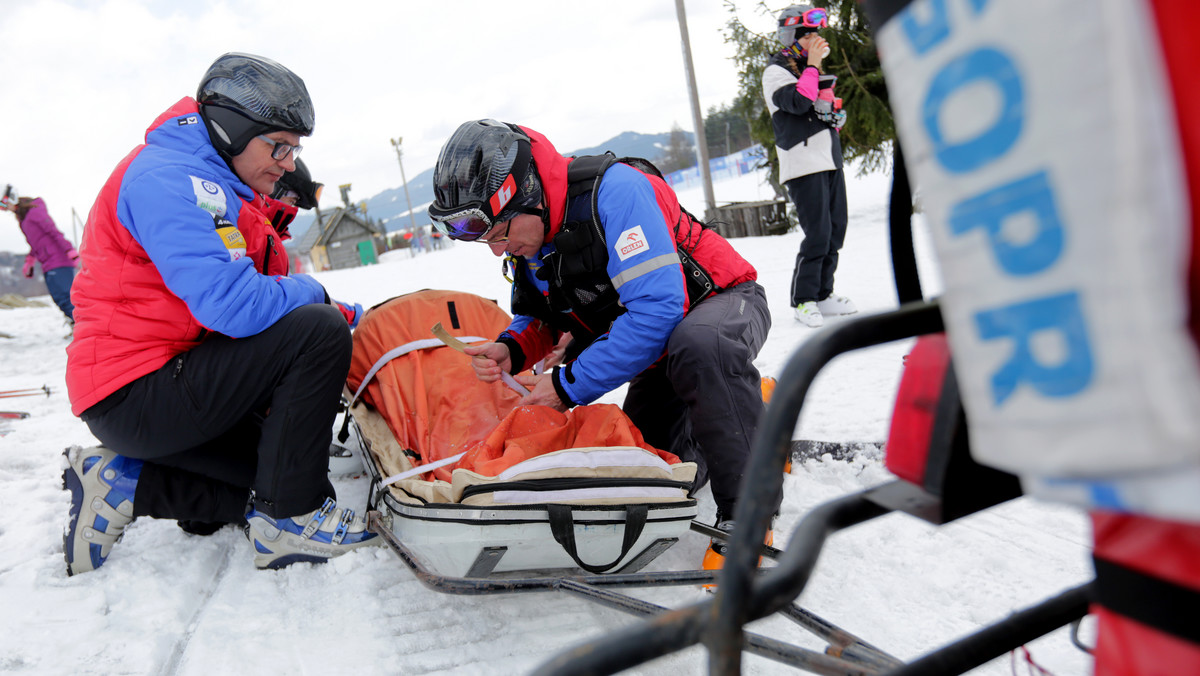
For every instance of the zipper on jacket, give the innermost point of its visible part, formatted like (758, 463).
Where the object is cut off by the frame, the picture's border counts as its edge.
(178, 367)
(267, 255)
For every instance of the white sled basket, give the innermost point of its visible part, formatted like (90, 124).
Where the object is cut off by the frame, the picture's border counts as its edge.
(600, 518)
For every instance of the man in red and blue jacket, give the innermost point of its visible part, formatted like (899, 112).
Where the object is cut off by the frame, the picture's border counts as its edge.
(649, 295)
(210, 375)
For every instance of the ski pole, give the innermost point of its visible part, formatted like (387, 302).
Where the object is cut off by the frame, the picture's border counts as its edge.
(26, 391)
(23, 394)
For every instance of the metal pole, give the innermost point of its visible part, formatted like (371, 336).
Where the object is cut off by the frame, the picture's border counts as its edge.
(400, 158)
(710, 202)
(75, 220)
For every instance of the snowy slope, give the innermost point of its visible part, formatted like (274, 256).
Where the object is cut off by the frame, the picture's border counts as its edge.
(171, 603)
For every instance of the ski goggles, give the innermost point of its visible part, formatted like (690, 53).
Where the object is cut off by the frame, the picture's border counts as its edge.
(813, 18)
(465, 225)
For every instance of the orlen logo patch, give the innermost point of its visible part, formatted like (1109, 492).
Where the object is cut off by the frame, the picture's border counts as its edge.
(631, 243)
(503, 195)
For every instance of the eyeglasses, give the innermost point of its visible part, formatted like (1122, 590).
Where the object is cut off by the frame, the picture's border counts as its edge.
(280, 150)
(813, 18)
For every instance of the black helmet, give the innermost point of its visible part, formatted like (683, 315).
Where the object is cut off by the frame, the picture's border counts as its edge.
(300, 182)
(479, 171)
(243, 95)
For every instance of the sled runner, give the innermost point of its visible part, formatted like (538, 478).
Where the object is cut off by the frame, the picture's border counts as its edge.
(474, 485)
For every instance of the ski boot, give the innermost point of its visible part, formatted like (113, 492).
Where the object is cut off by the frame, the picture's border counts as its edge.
(102, 485)
(768, 388)
(315, 537)
(714, 556)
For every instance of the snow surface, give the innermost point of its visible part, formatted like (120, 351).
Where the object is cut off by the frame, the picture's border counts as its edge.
(170, 603)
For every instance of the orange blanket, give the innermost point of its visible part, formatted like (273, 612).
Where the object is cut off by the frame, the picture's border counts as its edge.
(437, 408)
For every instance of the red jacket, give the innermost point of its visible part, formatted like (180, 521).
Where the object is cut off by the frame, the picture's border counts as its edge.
(174, 249)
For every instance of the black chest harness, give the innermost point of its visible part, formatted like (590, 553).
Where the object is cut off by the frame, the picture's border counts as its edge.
(582, 298)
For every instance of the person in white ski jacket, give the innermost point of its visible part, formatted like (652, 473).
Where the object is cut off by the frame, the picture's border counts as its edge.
(806, 121)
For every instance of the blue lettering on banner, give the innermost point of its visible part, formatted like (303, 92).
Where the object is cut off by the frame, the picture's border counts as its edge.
(990, 210)
(1019, 323)
(927, 35)
(985, 64)
(927, 24)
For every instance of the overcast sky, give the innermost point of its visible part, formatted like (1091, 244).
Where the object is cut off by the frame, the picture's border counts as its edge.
(83, 79)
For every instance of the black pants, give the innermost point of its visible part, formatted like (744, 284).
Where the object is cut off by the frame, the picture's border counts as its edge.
(820, 201)
(704, 401)
(231, 416)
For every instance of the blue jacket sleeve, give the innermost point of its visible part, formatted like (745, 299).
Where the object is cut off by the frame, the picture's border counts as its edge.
(645, 268)
(224, 292)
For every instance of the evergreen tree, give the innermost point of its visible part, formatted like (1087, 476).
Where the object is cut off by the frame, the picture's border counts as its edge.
(727, 131)
(869, 127)
(680, 152)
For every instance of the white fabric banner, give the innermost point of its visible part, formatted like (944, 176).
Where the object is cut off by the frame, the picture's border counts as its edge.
(1041, 138)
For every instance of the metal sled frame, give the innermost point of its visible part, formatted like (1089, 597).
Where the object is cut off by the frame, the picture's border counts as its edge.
(746, 593)
(601, 589)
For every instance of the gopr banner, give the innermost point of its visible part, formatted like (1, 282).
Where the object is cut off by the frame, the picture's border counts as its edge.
(1044, 140)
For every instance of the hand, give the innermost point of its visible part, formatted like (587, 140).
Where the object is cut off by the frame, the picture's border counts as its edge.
(556, 355)
(352, 313)
(541, 392)
(489, 360)
(27, 268)
(818, 49)
(72, 254)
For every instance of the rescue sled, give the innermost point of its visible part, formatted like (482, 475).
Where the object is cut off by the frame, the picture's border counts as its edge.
(938, 481)
(467, 484)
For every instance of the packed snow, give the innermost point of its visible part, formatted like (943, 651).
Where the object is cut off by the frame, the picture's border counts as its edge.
(169, 603)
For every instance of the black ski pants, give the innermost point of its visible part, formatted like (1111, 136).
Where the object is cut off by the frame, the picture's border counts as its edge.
(820, 201)
(233, 416)
(703, 402)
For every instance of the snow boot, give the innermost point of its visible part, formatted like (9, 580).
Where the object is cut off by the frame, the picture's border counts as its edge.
(809, 315)
(315, 537)
(102, 484)
(836, 305)
(714, 556)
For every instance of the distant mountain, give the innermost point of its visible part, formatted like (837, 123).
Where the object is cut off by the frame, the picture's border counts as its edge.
(391, 208)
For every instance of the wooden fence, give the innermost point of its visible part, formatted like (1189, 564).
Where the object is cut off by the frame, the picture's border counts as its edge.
(752, 219)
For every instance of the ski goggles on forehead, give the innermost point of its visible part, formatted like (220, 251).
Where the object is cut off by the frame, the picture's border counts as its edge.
(466, 225)
(813, 18)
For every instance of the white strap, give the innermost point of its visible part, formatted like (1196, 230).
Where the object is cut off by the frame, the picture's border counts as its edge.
(423, 344)
(421, 469)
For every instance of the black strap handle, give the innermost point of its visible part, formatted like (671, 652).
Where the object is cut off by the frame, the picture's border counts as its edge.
(562, 526)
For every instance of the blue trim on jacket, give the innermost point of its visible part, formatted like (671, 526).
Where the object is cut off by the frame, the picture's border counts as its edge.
(651, 287)
(159, 204)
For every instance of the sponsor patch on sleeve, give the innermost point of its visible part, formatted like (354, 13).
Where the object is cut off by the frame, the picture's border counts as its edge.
(209, 196)
(231, 236)
(631, 243)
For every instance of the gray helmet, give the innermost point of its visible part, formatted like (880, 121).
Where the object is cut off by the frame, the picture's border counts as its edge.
(785, 34)
(484, 166)
(243, 95)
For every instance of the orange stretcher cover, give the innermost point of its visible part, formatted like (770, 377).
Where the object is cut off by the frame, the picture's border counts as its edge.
(437, 408)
